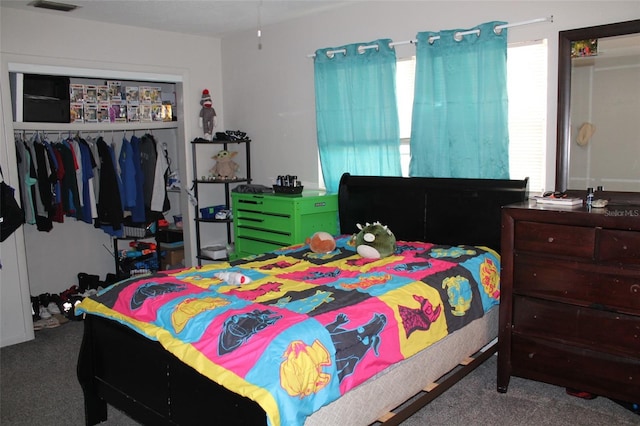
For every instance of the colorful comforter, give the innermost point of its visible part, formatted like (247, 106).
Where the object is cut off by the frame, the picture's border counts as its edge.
(307, 327)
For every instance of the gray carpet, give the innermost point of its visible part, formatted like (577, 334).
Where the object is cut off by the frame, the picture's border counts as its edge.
(38, 386)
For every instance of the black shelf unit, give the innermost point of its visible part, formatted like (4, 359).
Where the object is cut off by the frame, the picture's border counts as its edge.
(223, 144)
(121, 273)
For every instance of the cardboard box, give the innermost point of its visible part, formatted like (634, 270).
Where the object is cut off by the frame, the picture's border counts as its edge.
(172, 258)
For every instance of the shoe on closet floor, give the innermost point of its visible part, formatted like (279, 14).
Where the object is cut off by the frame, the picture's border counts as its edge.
(44, 313)
(35, 308)
(51, 322)
(49, 301)
(53, 308)
(68, 293)
(57, 301)
(87, 281)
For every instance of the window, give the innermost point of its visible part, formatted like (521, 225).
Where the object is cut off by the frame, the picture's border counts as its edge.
(527, 87)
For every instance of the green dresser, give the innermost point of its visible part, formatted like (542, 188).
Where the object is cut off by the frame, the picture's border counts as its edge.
(265, 222)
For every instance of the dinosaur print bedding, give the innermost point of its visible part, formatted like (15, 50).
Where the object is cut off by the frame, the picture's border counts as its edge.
(293, 330)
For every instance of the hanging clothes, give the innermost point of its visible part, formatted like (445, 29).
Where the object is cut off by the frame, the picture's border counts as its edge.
(70, 193)
(89, 210)
(138, 210)
(110, 213)
(88, 152)
(148, 158)
(96, 166)
(26, 181)
(61, 191)
(75, 149)
(160, 199)
(154, 167)
(56, 202)
(42, 217)
(127, 175)
(93, 181)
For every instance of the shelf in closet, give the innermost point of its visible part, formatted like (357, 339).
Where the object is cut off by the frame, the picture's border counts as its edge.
(221, 180)
(94, 127)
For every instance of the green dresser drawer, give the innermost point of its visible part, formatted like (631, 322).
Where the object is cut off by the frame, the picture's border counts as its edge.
(257, 220)
(251, 246)
(281, 238)
(264, 222)
(264, 204)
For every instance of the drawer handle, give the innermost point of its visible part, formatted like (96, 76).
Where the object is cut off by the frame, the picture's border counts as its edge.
(250, 202)
(635, 289)
(550, 239)
(251, 219)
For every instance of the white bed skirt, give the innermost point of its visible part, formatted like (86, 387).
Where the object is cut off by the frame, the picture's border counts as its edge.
(367, 402)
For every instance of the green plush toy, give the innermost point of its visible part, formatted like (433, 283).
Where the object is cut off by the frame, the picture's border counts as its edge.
(375, 241)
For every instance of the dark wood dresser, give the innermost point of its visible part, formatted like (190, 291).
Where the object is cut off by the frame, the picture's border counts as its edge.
(570, 298)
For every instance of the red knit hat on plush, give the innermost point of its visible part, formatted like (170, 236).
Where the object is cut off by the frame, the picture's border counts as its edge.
(206, 98)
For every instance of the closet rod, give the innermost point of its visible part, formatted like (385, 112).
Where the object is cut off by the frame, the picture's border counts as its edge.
(497, 29)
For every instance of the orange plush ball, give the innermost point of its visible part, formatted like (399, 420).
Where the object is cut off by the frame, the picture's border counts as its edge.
(321, 242)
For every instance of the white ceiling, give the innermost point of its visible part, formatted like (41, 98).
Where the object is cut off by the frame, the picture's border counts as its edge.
(214, 18)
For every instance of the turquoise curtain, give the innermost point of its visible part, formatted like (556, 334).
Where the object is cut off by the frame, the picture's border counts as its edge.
(356, 111)
(460, 111)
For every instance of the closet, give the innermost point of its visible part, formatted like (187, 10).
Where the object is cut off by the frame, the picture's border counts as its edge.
(55, 256)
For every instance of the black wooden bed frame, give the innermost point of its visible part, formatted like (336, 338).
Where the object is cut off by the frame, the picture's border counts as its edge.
(118, 366)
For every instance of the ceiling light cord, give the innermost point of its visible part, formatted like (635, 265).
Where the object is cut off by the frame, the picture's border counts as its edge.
(260, 25)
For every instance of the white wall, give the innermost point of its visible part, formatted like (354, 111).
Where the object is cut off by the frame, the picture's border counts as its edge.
(45, 39)
(270, 92)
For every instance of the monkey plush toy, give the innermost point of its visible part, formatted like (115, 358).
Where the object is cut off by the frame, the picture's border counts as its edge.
(207, 115)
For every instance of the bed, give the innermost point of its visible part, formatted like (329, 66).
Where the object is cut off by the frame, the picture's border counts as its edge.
(141, 355)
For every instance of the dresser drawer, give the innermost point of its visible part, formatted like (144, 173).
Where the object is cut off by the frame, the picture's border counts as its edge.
(277, 223)
(246, 246)
(578, 283)
(619, 246)
(587, 369)
(555, 239)
(262, 204)
(278, 238)
(581, 326)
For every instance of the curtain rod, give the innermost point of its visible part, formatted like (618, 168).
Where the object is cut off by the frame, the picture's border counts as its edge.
(458, 36)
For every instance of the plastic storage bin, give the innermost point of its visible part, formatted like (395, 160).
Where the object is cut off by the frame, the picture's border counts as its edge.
(210, 212)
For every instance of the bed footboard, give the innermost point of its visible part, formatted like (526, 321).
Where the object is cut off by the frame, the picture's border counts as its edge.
(139, 377)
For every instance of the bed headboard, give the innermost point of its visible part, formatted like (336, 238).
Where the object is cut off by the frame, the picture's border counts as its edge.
(448, 211)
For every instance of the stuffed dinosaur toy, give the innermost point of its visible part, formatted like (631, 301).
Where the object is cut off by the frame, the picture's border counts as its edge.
(375, 241)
